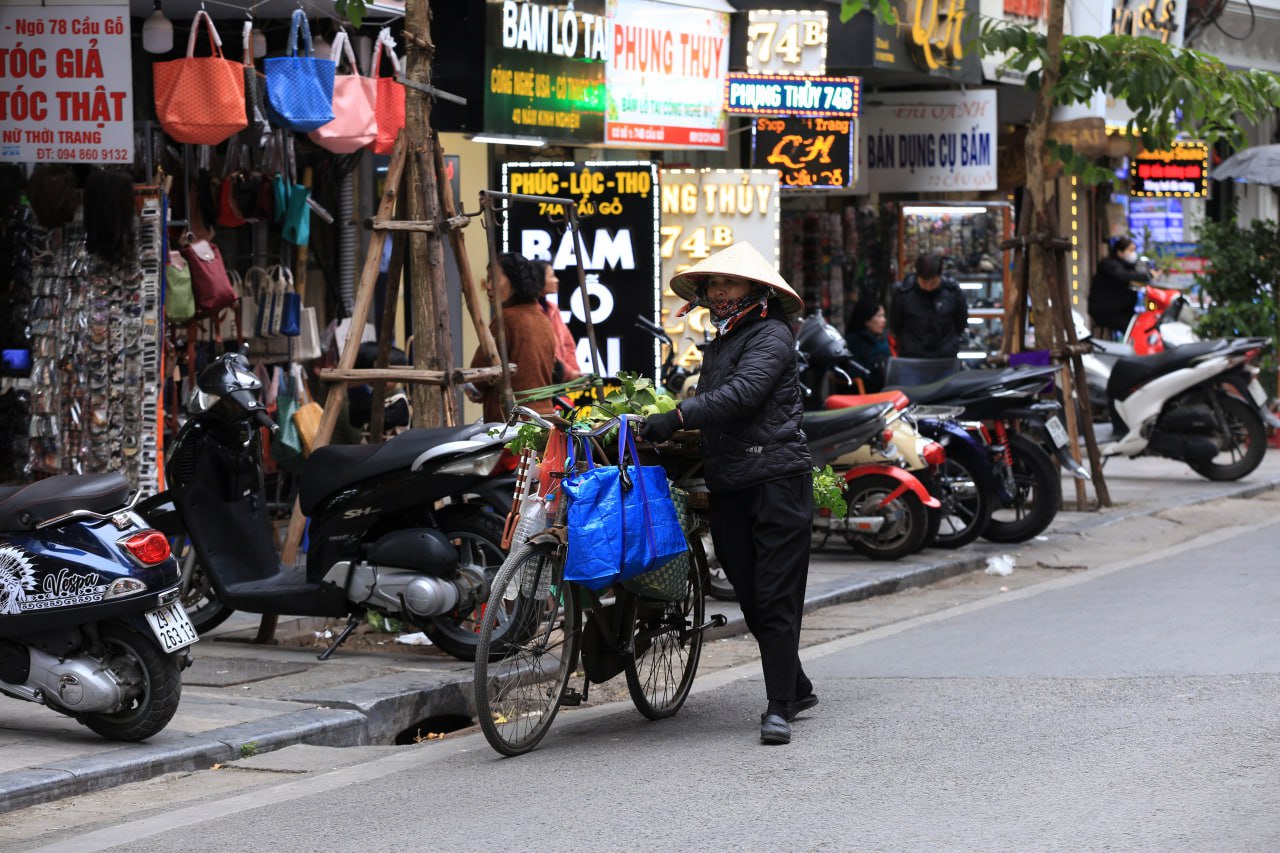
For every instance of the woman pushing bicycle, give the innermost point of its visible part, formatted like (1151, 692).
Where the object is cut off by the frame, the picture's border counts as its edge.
(748, 409)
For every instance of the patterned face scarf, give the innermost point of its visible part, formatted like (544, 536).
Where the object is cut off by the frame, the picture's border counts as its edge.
(725, 313)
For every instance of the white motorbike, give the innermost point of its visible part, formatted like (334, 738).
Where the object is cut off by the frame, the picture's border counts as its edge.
(1200, 403)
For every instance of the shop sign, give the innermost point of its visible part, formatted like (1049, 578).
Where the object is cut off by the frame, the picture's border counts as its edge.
(704, 211)
(935, 37)
(666, 76)
(793, 42)
(1181, 172)
(809, 153)
(545, 69)
(929, 142)
(62, 96)
(781, 94)
(1157, 19)
(618, 206)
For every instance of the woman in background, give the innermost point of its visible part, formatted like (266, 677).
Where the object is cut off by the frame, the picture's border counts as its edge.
(867, 341)
(530, 338)
(1113, 294)
(566, 350)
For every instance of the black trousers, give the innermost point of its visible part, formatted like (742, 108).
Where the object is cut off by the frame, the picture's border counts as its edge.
(762, 536)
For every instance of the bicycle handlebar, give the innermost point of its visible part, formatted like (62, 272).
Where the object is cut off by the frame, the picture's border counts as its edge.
(553, 422)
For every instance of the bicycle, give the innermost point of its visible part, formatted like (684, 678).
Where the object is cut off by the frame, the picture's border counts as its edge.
(534, 629)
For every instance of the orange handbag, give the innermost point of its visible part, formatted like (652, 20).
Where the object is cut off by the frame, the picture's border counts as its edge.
(200, 99)
(390, 104)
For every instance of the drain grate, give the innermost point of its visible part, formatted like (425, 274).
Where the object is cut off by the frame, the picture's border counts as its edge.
(432, 728)
(226, 672)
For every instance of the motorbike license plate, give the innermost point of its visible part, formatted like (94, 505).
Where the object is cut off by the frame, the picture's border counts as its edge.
(172, 627)
(1255, 391)
(1057, 431)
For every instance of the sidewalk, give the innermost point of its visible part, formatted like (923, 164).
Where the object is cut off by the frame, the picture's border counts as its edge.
(240, 699)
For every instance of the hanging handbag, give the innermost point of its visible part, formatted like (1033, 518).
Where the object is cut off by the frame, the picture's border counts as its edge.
(200, 99)
(179, 300)
(296, 227)
(229, 215)
(281, 283)
(209, 278)
(309, 413)
(299, 87)
(308, 344)
(255, 89)
(290, 310)
(391, 94)
(622, 522)
(255, 278)
(286, 445)
(231, 320)
(355, 123)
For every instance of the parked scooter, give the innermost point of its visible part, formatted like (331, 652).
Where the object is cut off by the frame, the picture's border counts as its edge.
(380, 538)
(1006, 402)
(91, 624)
(1168, 320)
(1200, 403)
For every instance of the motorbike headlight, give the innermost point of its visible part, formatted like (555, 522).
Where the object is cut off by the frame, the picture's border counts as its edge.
(475, 466)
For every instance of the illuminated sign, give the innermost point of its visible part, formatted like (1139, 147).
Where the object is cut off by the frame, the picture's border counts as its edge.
(666, 76)
(780, 94)
(931, 36)
(618, 206)
(58, 101)
(788, 42)
(704, 211)
(1182, 172)
(810, 153)
(545, 69)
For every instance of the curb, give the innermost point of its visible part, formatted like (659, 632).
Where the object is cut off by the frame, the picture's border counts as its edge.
(377, 710)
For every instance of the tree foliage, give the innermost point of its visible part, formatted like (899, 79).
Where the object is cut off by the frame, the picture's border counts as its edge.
(353, 10)
(1242, 285)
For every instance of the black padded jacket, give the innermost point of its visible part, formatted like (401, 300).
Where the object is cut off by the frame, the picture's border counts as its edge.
(748, 406)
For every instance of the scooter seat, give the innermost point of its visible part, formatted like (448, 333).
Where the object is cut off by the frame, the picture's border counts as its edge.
(335, 467)
(1130, 372)
(818, 425)
(954, 387)
(24, 507)
(848, 401)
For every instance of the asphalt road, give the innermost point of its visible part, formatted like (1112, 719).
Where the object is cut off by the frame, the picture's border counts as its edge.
(1130, 707)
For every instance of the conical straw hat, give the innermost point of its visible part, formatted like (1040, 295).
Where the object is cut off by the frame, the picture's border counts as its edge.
(741, 260)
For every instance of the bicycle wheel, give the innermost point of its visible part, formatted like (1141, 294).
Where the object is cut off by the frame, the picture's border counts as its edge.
(667, 642)
(529, 638)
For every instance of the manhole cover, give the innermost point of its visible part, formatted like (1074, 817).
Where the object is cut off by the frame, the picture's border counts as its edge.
(224, 672)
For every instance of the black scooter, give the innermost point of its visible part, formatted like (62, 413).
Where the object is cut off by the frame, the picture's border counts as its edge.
(388, 531)
(91, 624)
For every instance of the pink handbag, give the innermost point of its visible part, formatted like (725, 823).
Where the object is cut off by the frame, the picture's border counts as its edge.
(355, 122)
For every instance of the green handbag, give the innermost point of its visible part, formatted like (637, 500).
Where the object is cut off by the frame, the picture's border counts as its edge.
(179, 297)
(286, 444)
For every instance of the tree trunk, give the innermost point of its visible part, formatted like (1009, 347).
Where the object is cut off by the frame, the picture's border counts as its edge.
(1038, 193)
(432, 341)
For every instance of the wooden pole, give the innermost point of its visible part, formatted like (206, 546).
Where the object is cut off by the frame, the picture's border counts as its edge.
(431, 331)
(470, 292)
(359, 314)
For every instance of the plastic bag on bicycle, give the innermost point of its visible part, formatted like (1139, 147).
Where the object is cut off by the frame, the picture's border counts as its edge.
(621, 519)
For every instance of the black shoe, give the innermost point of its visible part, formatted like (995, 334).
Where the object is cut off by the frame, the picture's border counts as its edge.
(774, 729)
(799, 706)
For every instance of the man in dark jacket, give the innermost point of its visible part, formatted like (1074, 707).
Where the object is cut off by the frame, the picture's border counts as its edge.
(928, 314)
(748, 408)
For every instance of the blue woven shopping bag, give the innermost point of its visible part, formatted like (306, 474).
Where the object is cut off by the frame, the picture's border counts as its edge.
(621, 519)
(299, 87)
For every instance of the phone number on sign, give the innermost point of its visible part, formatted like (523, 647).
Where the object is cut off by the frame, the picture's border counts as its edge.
(85, 155)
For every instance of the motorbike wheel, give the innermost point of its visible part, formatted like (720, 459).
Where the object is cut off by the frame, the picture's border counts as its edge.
(200, 601)
(1037, 494)
(906, 521)
(966, 507)
(477, 534)
(152, 679)
(1244, 445)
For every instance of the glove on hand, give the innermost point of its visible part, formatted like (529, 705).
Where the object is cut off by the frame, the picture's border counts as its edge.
(660, 427)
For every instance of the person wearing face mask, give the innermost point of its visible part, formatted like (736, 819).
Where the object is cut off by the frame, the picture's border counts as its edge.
(1113, 294)
(748, 408)
(866, 340)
